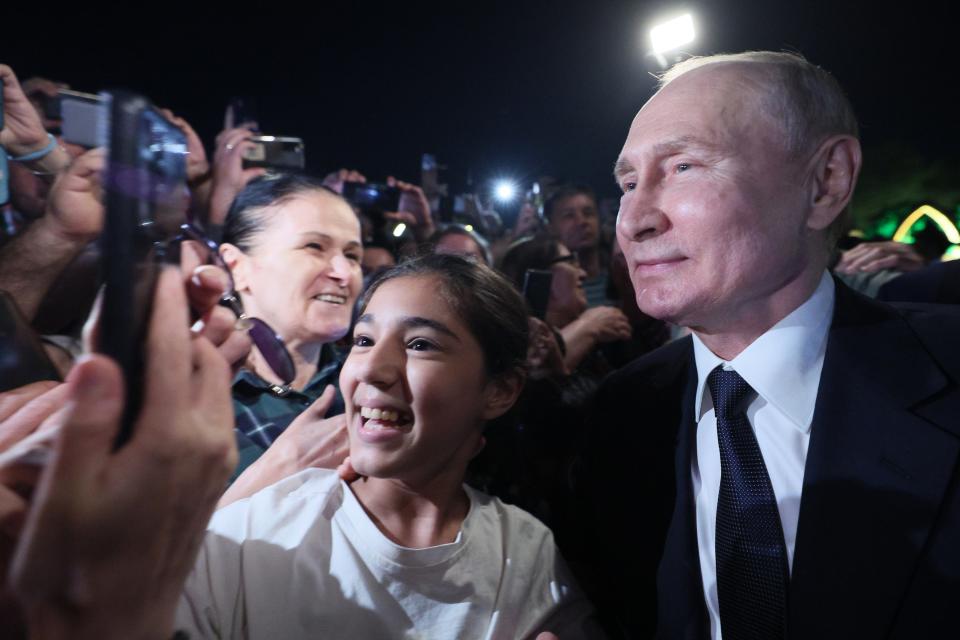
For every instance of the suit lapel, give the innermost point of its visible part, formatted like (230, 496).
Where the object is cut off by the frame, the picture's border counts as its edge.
(682, 612)
(881, 456)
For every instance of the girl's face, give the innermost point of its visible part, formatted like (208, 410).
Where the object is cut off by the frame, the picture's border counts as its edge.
(302, 276)
(415, 386)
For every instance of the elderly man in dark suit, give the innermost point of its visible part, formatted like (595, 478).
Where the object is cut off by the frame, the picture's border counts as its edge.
(792, 469)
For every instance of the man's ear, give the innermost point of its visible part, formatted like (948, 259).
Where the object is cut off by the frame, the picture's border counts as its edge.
(835, 167)
(502, 392)
(236, 261)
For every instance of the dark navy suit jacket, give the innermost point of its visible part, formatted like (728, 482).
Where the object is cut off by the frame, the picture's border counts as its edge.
(878, 542)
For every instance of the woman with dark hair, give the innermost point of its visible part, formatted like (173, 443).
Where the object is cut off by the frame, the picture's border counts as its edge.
(294, 249)
(458, 240)
(404, 549)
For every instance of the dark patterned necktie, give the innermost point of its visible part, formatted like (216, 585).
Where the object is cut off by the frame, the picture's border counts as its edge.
(752, 572)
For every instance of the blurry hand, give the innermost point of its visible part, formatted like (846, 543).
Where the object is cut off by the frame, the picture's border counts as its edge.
(23, 131)
(110, 536)
(229, 176)
(336, 179)
(74, 207)
(543, 356)
(607, 324)
(309, 441)
(528, 221)
(870, 257)
(197, 165)
(413, 209)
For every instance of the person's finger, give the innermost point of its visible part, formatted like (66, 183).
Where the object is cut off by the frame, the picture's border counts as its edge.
(91, 424)
(322, 404)
(211, 377)
(168, 362)
(13, 400)
(90, 334)
(13, 512)
(863, 257)
(235, 348)
(879, 264)
(206, 286)
(31, 415)
(346, 471)
(250, 174)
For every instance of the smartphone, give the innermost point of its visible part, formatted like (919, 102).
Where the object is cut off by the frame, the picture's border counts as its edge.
(1, 104)
(145, 188)
(83, 118)
(22, 357)
(536, 291)
(273, 152)
(370, 196)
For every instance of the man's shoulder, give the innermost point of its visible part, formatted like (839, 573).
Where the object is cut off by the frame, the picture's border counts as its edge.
(656, 370)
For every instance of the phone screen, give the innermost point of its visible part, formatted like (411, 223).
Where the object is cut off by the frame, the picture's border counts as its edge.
(536, 291)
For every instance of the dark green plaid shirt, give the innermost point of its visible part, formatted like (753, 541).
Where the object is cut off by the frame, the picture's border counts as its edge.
(264, 410)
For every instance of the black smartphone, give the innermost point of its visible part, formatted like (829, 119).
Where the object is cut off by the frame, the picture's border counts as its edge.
(22, 357)
(83, 118)
(1, 104)
(370, 196)
(145, 189)
(273, 152)
(536, 291)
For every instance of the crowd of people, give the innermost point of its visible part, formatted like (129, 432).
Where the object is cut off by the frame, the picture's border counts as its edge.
(712, 425)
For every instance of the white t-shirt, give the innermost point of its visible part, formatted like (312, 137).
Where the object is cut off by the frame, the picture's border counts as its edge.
(301, 559)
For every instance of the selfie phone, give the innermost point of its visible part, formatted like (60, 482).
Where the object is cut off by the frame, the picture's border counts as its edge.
(22, 357)
(536, 291)
(273, 152)
(1, 104)
(83, 118)
(371, 196)
(145, 187)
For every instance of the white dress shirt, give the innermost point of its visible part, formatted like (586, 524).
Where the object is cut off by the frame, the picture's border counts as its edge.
(783, 367)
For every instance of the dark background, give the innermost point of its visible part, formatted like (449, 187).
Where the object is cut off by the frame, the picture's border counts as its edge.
(492, 88)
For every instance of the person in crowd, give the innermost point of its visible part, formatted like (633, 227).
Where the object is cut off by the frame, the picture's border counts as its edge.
(459, 240)
(294, 250)
(583, 330)
(794, 462)
(571, 214)
(403, 547)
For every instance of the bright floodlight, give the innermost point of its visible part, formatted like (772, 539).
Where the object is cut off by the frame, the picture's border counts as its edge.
(504, 191)
(672, 34)
(399, 229)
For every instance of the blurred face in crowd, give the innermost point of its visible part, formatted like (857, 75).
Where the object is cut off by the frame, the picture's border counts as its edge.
(377, 259)
(576, 221)
(415, 385)
(567, 297)
(712, 218)
(461, 245)
(302, 275)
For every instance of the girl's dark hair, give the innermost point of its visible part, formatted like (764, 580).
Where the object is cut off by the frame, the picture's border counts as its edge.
(531, 252)
(246, 217)
(492, 310)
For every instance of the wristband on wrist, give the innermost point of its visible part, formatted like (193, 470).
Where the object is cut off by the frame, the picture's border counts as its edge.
(37, 155)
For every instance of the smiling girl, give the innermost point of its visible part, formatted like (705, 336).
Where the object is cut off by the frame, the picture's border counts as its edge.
(406, 550)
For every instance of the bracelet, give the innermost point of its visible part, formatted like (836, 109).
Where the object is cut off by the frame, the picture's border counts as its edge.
(36, 155)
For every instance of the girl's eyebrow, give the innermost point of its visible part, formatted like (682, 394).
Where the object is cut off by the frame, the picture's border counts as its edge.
(412, 322)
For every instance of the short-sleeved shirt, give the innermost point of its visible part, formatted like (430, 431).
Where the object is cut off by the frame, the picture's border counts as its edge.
(264, 410)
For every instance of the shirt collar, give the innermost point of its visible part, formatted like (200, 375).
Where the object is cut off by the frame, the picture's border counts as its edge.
(783, 365)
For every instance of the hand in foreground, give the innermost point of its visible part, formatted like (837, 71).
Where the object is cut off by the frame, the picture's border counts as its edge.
(111, 535)
(870, 257)
(23, 130)
(413, 209)
(607, 324)
(544, 356)
(334, 181)
(75, 205)
(309, 441)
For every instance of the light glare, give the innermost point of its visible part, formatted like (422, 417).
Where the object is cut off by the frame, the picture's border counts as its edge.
(399, 229)
(672, 34)
(505, 191)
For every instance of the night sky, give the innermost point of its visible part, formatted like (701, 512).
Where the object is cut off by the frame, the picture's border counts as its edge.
(492, 88)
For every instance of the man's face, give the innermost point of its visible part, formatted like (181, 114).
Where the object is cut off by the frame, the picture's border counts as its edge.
(575, 221)
(712, 217)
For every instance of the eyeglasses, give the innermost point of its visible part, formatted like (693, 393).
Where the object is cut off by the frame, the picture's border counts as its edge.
(268, 342)
(571, 258)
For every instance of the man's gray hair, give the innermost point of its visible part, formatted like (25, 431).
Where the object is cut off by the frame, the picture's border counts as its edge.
(805, 99)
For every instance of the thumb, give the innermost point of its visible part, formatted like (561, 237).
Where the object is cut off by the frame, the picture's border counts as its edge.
(92, 419)
(322, 404)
